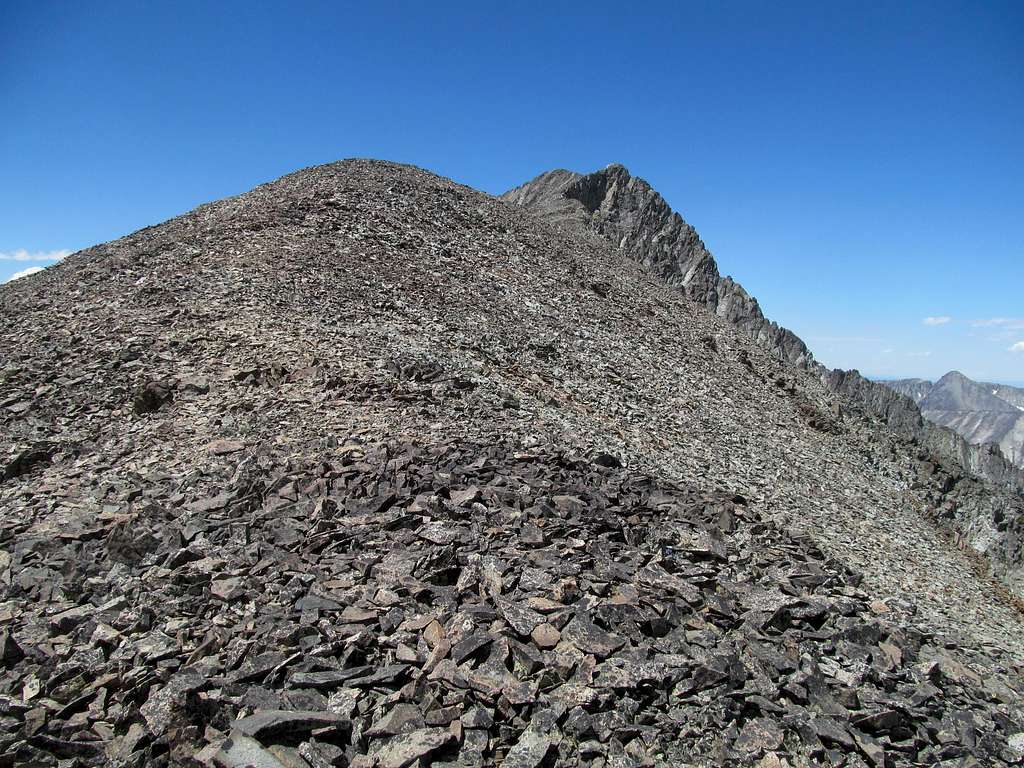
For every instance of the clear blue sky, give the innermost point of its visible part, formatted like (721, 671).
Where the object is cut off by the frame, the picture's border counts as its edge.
(857, 166)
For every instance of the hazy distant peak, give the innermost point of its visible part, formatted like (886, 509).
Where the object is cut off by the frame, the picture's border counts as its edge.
(981, 412)
(957, 392)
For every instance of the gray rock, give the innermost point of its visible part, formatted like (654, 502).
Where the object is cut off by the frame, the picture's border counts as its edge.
(402, 718)
(758, 736)
(331, 679)
(267, 724)
(590, 638)
(520, 618)
(405, 749)
(530, 750)
(240, 751)
(152, 396)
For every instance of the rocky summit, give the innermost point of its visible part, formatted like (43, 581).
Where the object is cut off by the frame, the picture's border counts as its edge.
(366, 468)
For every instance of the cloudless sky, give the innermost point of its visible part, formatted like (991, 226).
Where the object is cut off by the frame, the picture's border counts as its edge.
(857, 166)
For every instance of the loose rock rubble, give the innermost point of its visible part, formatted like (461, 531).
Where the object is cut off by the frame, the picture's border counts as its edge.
(631, 214)
(473, 605)
(367, 468)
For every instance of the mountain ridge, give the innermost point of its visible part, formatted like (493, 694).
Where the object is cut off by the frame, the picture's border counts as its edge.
(364, 467)
(654, 235)
(631, 214)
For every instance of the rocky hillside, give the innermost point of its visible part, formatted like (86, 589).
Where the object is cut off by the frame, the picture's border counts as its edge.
(625, 210)
(978, 411)
(366, 468)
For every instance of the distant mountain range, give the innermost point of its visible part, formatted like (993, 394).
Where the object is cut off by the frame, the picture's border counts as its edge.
(980, 411)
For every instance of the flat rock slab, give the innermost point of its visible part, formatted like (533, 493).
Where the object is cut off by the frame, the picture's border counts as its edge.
(329, 679)
(269, 723)
(519, 617)
(590, 638)
(407, 748)
(241, 751)
(759, 735)
(403, 718)
(225, 447)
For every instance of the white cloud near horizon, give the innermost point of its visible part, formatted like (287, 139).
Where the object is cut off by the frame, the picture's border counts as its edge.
(24, 273)
(1010, 323)
(1018, 347)
(22, 255)
(940, 320)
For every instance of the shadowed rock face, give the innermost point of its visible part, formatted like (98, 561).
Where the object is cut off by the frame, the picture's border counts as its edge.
(366, 468)
(635, 218)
